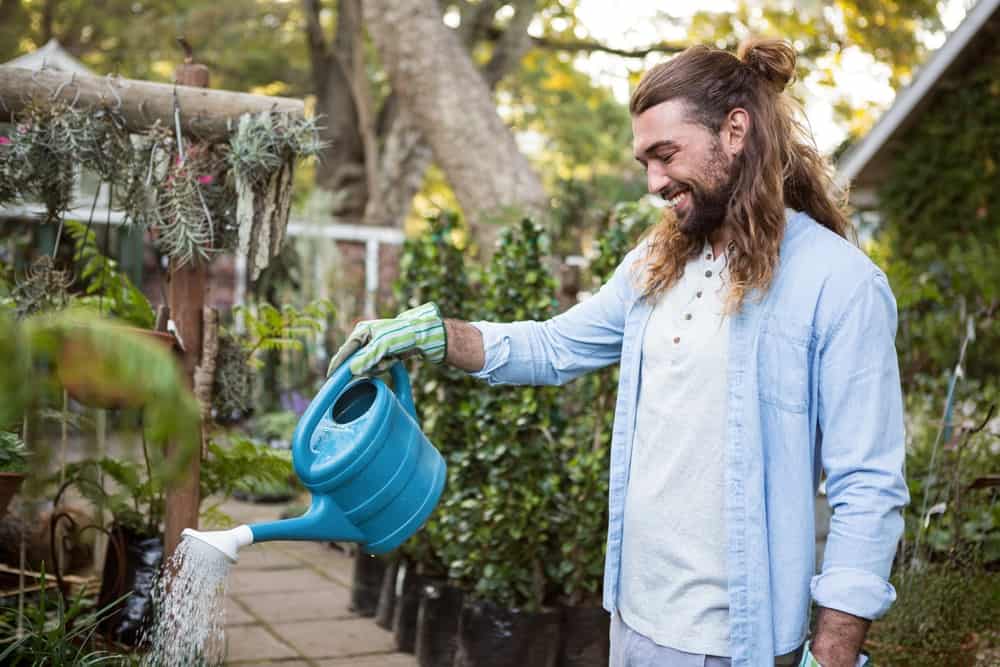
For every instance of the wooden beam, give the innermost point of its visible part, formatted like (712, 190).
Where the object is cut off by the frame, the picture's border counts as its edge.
(205, 114)
(186, 300)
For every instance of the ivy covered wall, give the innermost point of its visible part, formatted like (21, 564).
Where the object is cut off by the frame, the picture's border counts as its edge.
(940, 242)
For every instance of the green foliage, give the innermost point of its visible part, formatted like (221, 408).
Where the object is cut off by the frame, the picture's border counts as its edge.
(432, 268)
(497, 518)
(938, 240)
(936, 616)
(241, 463)
(946, 515)
(107, 288)
(265, 142)
(57, 632)
(272, 329)
(13, 454)
(133, 495)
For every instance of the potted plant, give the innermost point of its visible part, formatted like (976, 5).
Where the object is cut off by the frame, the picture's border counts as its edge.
(497, 519)
(13, 464)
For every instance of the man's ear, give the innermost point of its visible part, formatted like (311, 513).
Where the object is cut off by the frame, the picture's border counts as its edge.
(734, 130)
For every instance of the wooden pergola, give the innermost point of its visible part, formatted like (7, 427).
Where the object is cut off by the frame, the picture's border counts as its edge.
(205, 115)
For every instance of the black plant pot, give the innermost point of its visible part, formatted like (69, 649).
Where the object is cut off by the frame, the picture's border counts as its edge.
(385, 611)
(499, 637)
(366, 583)
(130, 567)
(404, 624)
(437, 624)
(586, 640)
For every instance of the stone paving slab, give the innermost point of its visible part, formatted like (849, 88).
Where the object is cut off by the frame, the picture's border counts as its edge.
(283, 581)
(334, 639)
(236, 613)
(329, 603)
(383, 660)
(255, 642)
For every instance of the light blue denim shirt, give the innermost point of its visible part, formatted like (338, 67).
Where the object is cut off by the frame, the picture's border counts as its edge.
(813, 386)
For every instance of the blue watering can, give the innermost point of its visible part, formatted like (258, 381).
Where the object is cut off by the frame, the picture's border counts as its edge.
(373, 475)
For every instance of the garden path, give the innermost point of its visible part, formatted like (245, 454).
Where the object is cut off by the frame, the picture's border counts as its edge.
(288, 605)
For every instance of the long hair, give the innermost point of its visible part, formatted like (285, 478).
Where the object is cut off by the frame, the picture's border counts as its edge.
(779, 165)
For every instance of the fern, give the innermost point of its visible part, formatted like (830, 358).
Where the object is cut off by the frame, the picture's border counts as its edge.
(106, 286)
(269, 328)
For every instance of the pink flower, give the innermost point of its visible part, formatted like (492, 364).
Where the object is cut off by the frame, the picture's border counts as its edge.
(4, 141)
(206, 179)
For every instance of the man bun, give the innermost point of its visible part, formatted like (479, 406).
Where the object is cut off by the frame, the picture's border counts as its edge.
(773, 60)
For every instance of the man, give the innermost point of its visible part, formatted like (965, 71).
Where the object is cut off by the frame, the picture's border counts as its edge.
(757, 349)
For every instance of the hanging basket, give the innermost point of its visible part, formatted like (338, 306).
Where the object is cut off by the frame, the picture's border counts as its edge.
(10, 482)
(84, 373)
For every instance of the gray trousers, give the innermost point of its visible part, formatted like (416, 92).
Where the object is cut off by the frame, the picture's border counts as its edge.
(631, 649)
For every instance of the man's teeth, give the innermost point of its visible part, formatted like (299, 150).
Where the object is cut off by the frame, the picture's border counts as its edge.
(675, 200)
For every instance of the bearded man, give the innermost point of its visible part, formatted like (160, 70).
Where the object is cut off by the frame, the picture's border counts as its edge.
(757, 350)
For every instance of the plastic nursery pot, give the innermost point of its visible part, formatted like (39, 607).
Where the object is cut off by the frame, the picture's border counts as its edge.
(10, 482)
(499, 637)
(437, 624)
(84, 373)
(366, 583)
(385, 610)
(134, 574)
(404, 623)
(586, 637)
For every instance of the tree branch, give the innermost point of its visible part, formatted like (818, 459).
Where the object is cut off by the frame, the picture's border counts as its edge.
(318, 49)
(512, 44)
(589, 45)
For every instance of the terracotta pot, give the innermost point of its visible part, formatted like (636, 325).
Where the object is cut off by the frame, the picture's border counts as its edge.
(10, 482)
(82, 372)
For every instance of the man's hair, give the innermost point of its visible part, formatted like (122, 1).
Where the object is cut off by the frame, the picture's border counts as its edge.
(779, 165)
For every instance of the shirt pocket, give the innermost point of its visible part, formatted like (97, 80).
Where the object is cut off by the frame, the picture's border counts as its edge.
(783, 364)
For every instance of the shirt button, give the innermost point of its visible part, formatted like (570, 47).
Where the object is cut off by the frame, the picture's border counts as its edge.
(687, 316)
(708, 274)
(698, 294)
(708, 256)
(677, 339)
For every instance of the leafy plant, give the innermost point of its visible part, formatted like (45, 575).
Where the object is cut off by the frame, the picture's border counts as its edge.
(13, 454)
(56, 633)
(272, 329)
(107, 288)
(241, 464)
(496, 521)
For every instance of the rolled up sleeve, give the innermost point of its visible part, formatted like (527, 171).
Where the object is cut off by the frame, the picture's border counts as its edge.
(863, 450)
(586, 337)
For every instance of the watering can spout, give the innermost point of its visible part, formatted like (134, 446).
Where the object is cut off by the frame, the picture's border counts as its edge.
(228, 542)
(324, 521)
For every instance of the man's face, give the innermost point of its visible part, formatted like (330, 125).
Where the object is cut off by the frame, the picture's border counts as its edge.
(685, 164)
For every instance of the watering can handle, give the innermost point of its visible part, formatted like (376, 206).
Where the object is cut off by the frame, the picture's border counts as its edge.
(401, 386)
(324, 400)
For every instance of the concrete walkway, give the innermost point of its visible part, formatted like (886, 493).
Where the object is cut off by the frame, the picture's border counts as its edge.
(288, 605)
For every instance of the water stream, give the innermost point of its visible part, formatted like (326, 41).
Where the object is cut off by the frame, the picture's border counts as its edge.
(189, 600)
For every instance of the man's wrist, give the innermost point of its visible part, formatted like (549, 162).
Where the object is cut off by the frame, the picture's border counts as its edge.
(839, 638)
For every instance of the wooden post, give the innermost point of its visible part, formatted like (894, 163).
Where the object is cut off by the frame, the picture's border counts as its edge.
(186, 298)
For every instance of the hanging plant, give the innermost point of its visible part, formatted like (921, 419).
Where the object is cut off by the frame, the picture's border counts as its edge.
(42, 288)
(262, 155)
(232, 393)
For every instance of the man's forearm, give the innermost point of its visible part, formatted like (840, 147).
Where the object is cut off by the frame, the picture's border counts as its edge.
(465, 346)
(839, 637)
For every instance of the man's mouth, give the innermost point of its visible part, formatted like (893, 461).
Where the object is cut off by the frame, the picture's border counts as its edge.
(679, 199)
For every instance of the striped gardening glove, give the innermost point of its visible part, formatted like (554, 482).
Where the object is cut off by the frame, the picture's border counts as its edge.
(419, 330)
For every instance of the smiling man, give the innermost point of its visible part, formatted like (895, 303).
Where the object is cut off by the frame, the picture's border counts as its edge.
(757, 351)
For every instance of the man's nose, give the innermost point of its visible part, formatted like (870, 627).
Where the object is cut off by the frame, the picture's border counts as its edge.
(656, 180)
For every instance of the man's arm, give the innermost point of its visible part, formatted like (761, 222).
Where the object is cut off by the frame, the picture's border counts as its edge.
(860, 417)
(465, 346)
(839, 637)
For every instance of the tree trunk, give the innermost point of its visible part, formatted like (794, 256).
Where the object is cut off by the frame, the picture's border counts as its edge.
(342, 167)
(453, 108)
(402, 162)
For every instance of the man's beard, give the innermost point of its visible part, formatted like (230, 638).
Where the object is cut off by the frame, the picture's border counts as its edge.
(709, 198)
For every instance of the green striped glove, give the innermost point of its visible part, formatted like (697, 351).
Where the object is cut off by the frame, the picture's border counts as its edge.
(419, 330)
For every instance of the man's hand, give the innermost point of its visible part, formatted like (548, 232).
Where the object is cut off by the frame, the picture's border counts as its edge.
(419, 330)
(839, 637)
